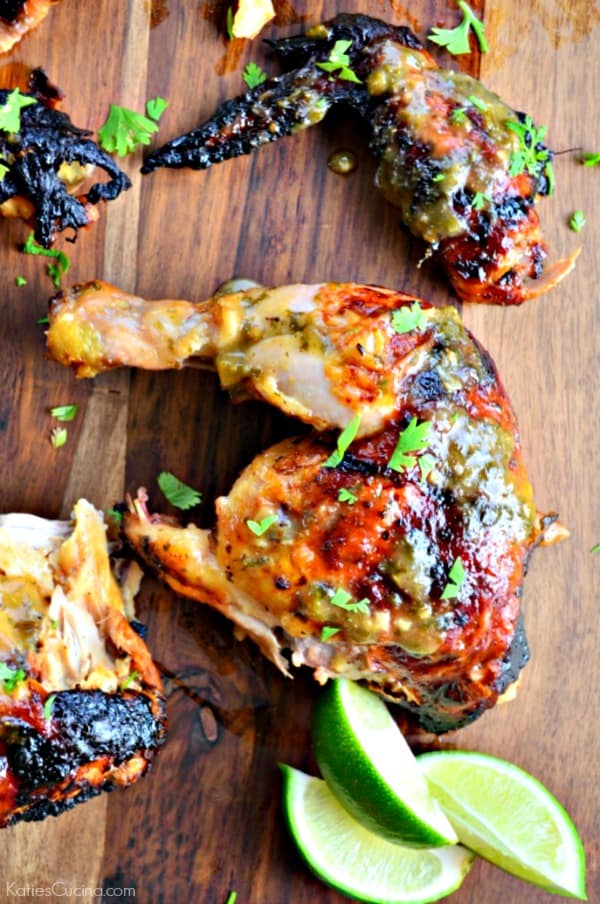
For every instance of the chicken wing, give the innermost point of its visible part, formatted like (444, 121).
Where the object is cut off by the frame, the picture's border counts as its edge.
(464, 169)
(396, 558)
(81, 703)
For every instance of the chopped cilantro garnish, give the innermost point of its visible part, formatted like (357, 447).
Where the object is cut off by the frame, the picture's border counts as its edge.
(115, 514)
(439, 177)
(577, 221)
(477, 102)
(156, 107)
(55, 271)
(20, 281)
(530, 157)
(456, 577)
(177, 493)
(64, 412)
(253, 75)
(339, 62)
(259, 528)
(58, 437)
(10, 677)
(459, 114)
(125, 130)
(4, 169)
(48, 706)
(479, 200)
(10, 111)
(229, 23)
(413, 438)
(595, 548)
(456, 40)
(129, 680)
(406, 319)
(232, 896)
(42, 321)
(590, 159)
(342, 599)
(344, 439)
(345, 495)
(327, 632)
(426, 465)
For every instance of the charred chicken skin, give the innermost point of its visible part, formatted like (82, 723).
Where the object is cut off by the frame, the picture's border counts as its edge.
(81, 704)
(46, 162)
(463, 167)
(399, 559)
(18, 18)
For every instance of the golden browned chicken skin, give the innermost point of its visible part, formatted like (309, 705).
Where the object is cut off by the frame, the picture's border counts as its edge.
(18, 18)
(400, 560)
(81, 703)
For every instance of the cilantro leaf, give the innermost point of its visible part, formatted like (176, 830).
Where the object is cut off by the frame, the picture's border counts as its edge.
(64, 412)
(253, 75)
(4, 169)
(456, 40)
(413, 438)
(10, 677)
(229, 23)
(10, 111)
(595, 548)
(58, 437)
(115, 514)
(344, 439)
(125, 130)
(479, 200)
(20, 281)
(177, 493)
(156, 107)
(129, 680)
(456, 577)
(342, 599)
(426, 465)
(590, 159)
(48, 707)
(43, 321)
(259, 528)
(55, 271)
(339, 62)
(327, 632)
(406, 319)
(577, 221)
(346, 495)
(478, 103)
(459, 114)
(530, 156)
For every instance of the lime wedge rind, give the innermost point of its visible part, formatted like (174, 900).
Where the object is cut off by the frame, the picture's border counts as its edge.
(371, 770)
(528, 848)
(359, 864)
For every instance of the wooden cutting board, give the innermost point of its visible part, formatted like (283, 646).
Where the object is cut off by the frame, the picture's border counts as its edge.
(207, 819)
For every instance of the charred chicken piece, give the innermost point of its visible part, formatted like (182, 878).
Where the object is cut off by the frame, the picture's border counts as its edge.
(46, 162)
(81, 704)
(18, 18)
(350, 563)
(448, 149)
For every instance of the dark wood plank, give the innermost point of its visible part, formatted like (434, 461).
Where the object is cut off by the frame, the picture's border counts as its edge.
(207, 819)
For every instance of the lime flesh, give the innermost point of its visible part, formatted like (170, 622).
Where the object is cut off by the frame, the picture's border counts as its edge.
(371, 770)
(358, 863)
(509, 818)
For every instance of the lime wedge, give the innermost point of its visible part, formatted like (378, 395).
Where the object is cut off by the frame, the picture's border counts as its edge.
(357, 863)
(371, 770)
(509, 818)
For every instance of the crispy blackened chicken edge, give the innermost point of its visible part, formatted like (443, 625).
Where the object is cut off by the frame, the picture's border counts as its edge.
(464, 169)
(347, 563)
(81, 702)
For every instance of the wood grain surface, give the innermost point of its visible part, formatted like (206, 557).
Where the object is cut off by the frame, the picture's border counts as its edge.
(207, 819)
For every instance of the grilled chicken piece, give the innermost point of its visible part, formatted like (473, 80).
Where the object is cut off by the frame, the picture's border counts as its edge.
(18, 18)
(81, 703)
(447, 148)
(47, 161)
(399, 563)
